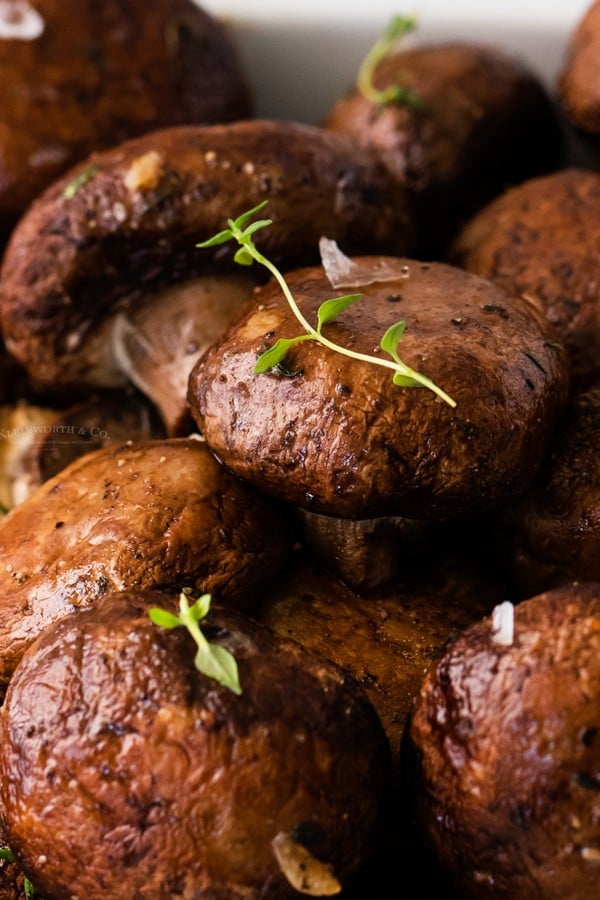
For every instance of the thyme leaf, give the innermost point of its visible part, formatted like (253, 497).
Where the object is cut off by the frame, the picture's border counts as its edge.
(212, 660)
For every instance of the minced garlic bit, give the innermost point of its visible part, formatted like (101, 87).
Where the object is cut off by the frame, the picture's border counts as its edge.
(19, 21)
(503, 624)
(305, 874)
(145, 172)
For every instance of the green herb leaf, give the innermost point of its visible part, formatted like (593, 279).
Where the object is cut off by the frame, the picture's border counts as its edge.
(241, 220)
(389, 342)
(163, 618)
(275, 354)
(221, 238)
(330, 309)
(243, 257)
(28, 889)
(7, 854)
(79, 181)
(212, 660)
(218, 663)
(199, 610)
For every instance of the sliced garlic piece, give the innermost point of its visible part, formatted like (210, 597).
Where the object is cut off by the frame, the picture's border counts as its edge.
(304, 872)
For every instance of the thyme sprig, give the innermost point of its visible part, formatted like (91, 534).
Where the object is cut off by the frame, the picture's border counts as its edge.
(242, 230)
(212, 660)
(398, 28)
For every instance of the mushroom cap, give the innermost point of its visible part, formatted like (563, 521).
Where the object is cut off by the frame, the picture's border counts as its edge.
(552, 534)
(135, 770)
(579, 78)
(142, 515)
(540, 240)
(484, 121)
(508, 752)
(97, 74)
(341, 439)
(127, 222)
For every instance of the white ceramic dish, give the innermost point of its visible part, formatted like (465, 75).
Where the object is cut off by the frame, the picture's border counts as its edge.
(299, 57)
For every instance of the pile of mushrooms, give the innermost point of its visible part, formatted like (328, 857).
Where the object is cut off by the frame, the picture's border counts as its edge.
(300, 579)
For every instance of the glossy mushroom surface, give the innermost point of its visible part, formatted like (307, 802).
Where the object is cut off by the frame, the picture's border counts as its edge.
(122, 766)
(506, 740)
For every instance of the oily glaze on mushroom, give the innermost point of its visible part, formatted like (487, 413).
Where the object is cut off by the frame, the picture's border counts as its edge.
(540, 240)
(143, 515)
(476, 120)
(77, 77)
(124, 767)
(98, 250)
(506, 734)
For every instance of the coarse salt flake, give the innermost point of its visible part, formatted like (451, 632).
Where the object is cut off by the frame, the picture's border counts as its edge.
(503, 624)
(19, 21)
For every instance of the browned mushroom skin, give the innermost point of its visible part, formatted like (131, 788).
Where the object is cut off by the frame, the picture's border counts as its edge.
(484, 121)
(133, 226)
(579, 79)
(508, 752)
(143, 515)
(101, 73)
(552, 534)
(540, 240)
(341, 439)
(386, 640)
(124, 767)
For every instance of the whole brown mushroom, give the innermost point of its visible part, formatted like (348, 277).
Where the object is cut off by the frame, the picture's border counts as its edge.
(506, 745)
(540, 240)
(122, 767)
(339, 439)
(474, 120)
(78, 76)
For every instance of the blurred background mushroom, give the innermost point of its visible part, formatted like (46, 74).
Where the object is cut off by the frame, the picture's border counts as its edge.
(540, 241)
(79, 76)
(456, 123)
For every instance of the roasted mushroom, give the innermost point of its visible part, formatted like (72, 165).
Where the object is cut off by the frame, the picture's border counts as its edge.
(112, 236)
(540, 240)
(142, 515)
(551, 536)
(506, 742)
(472, 121)
(124, 767)
(340, 439)
(80, 76)
(579, 78)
